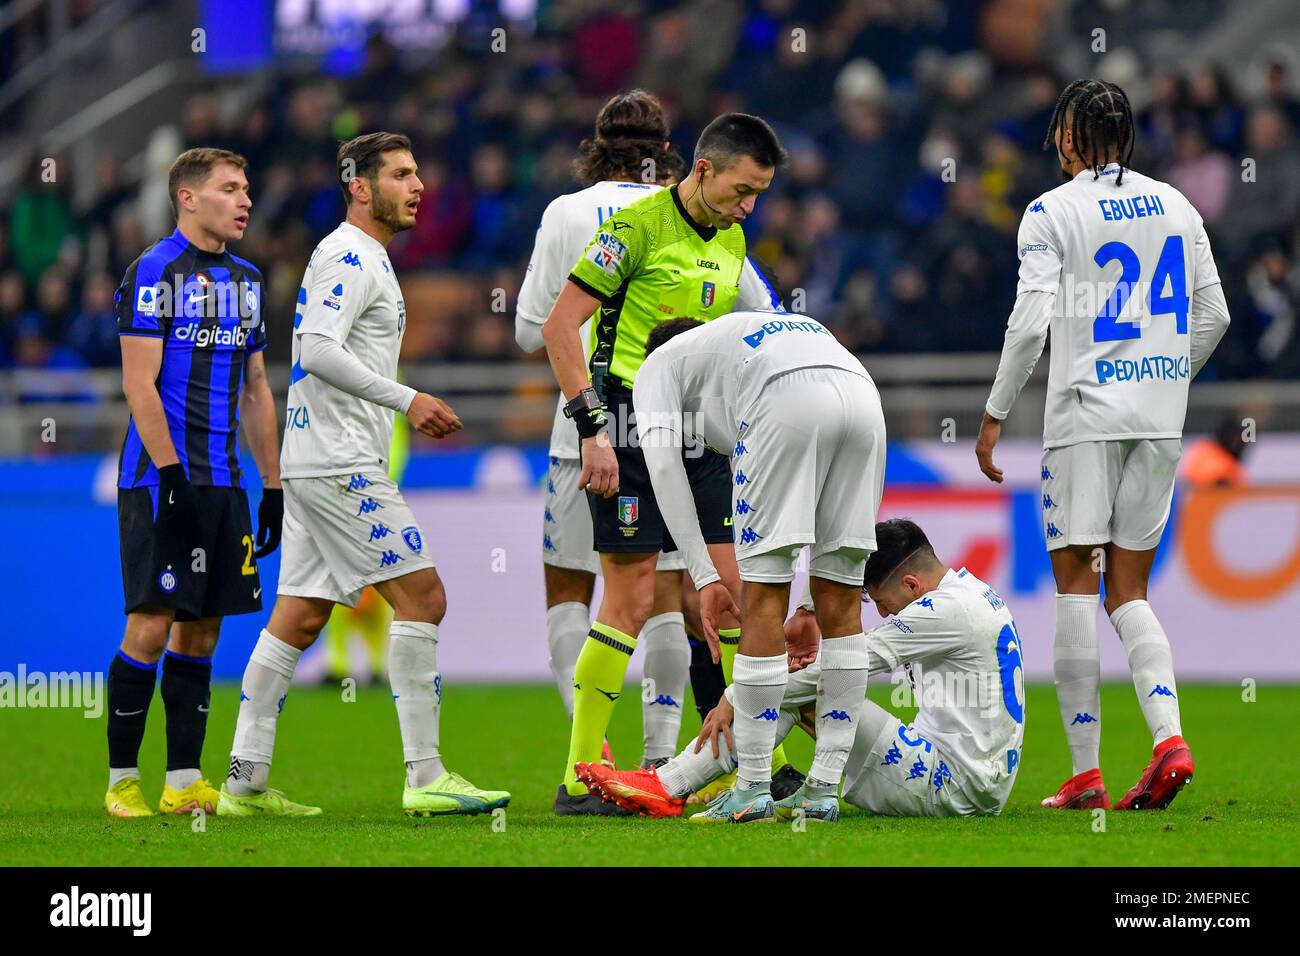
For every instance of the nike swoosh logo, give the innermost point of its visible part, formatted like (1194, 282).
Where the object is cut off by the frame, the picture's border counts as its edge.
(196, 298)
(202, 709)
(257, 592)
(171, 497)
(622, 225)
(739, 815)
(129, 713)
(613, 696)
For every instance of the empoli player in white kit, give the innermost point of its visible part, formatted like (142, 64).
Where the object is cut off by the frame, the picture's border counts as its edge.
(801, 420)
(346, 524)
(1118, 267)
(957, 641)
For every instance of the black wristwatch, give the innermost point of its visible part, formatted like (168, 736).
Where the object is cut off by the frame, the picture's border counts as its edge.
(587, 412)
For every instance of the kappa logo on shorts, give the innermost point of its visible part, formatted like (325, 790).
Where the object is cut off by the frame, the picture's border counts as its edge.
(367, 506)
(629, 509)
(167, 580)
(941, 774)
(411, 535)
(1052, 530)
(389, 557)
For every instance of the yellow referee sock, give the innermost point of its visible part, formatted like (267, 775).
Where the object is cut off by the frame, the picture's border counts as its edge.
(597, 685)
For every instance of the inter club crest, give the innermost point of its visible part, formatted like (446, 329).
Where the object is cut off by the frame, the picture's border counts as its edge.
(628, 509)
(706, 294)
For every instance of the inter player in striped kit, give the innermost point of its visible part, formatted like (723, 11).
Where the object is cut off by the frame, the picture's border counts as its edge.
(192, 334)
(1118, 267)
(346, 523)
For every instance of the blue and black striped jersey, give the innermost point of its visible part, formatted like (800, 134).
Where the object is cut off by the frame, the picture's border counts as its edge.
(207, 309)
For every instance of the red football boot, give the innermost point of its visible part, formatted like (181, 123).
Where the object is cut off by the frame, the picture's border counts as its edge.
(1083, 792)
(637, 790)
(607, 755)
(1170, 770)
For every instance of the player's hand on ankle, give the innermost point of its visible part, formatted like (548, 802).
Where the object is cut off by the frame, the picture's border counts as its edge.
(178, 504)
(599, 465)
(432, 416)
(717, 724)
(802, 639)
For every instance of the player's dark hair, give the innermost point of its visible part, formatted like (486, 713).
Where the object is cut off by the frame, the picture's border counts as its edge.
(192, 167)
(733, 136)
(364, 156)
(901, 545)
(664, 331)
(768, 275)
(1100, 121)
(628, 143)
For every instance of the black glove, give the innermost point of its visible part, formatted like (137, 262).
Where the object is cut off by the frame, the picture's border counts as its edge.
(178, 506)
(270, 518)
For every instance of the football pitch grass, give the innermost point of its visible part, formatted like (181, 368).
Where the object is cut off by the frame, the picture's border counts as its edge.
(1240, 809)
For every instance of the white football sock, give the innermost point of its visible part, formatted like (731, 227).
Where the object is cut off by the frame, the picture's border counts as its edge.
(841, 688)
(262, 695)
(1151, 662)
(759, 688)
(180, 779)
(668, 665)
(689, 771)
(1076, 666)
(117, 774)
(417, 694)
(567, 625)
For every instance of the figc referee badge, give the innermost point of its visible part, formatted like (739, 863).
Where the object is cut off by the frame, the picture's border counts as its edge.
(706, 294)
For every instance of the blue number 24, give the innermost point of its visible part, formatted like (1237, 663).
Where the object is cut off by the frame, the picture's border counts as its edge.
(1106, 327)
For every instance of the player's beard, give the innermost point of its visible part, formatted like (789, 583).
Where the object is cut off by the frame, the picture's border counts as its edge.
(388, 213)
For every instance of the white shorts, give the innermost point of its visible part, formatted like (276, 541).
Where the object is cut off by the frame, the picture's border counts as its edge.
(1099, 492)
(345, 532)
(809, 469)
(893, 771)
(567, 537)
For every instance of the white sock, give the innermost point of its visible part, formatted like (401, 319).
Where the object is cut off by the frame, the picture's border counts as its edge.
(689, 771)
(417, 694)
(1076, 665)
(759, 688)
(841, 688)
(567, 625)
(668, 665)
(262, 695)
(117, 774)
(180, 779)
(1151, 661)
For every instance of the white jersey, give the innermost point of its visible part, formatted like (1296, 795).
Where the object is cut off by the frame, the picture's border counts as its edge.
(1124, 260)
(959, 646)
(349, 293)
(563, 236)
(700, 383)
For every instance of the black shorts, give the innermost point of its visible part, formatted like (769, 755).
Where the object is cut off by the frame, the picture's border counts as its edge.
(158, 570)
(629, 522)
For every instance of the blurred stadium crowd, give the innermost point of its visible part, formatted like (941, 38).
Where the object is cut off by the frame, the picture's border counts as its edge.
(875, 100)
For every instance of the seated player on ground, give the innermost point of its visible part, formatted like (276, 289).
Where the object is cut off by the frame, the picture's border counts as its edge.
(959, 757)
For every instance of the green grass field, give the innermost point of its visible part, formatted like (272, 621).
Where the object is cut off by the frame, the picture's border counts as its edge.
(1241, 809)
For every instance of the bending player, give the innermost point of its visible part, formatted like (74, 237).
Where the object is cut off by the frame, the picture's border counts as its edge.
(346, 524)
(802, 421)
(959, 756)
(1116, 401)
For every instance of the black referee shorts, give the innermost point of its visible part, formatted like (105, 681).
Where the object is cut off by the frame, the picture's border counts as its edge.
(156, 569)
(630, 522)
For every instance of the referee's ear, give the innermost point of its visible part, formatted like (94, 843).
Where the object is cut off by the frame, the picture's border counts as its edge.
(664, 331)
